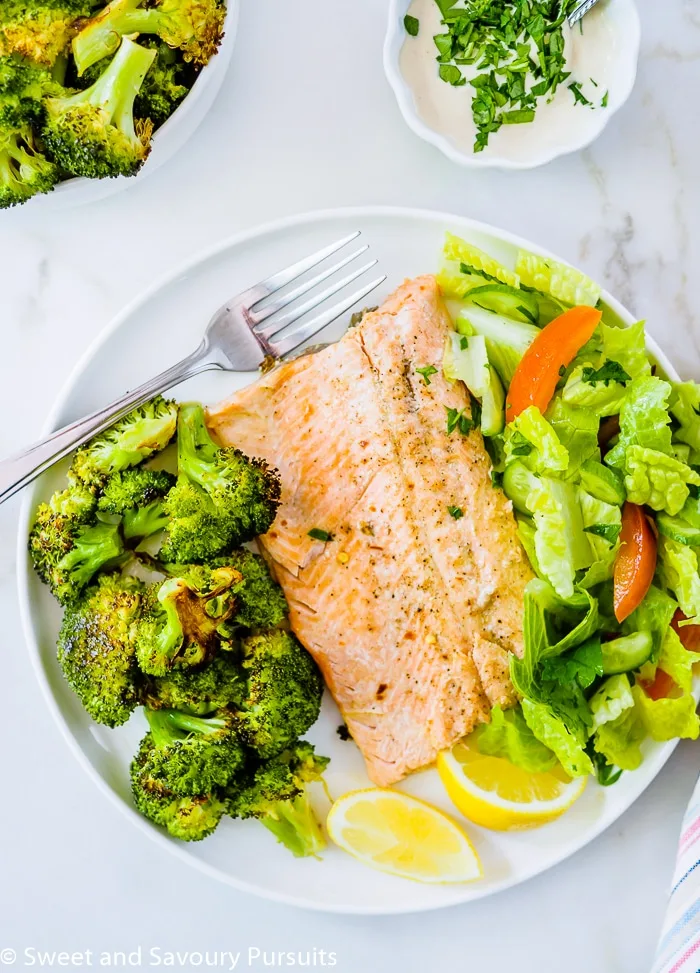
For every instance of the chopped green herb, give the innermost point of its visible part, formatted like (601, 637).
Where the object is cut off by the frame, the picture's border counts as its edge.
(343, 732)
(609, 371)
(452, 75)
(606, 773)
(458, 420)
(583, 665)
(519, 445)
(496, 478)
(455, 512)
(412, 25)
(320, 535)
(579, 97)
(476, 272)
(604, 104)
(426, 372)
(464, 342)
(562, 371)
(610, 532)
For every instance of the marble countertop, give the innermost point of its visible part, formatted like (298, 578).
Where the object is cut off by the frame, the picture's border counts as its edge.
(306, 120)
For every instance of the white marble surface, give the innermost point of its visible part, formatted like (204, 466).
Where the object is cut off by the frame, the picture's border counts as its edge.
(306, 120)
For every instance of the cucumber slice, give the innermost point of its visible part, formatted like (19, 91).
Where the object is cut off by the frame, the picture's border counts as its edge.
(517, 483)
(506, 340)
(602, 482)
(470, 364)
(678, 529)
(508, 301)
(626, 653)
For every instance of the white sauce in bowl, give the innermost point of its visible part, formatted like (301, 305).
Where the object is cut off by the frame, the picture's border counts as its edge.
(594, 53)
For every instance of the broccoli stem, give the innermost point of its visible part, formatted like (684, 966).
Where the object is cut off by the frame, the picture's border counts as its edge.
(169, 641)
(116, 89)
(196, 450)
(295, 825)
(161, 727)
(101, 37)
(144, 521)
(193, 724)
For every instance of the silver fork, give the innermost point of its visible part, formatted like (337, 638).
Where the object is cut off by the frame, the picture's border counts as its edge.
(239, 338)
(579, 12)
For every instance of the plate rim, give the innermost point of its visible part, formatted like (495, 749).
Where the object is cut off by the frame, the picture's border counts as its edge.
(24, 568)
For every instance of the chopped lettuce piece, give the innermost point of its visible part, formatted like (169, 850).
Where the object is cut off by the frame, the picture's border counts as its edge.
(678, 570)
(618, 741)
(644, 419)
(531, 439)
(577, 431)
(508, 736)
(465, 266)
(554, 734)
(602, 522)
(466, 360)
(561, 545)
(669, 718)
(685, 408)
(654, 616)
(658, 480)
(600, 571)
(610, 700)
(600, 398)
(551, 277)
(675, 660)
(628, 347)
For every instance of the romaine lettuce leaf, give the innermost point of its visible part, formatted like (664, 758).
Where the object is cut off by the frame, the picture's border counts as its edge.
(602, 523)
(610, 700)
(561, 545)
(685, 408)
(600, 571)
(618, 741)
(554, 734)
(508, 736)
(465, 266)
(600, 399)
(644, 419)
(667, 719)
(551, 277)
(531, 439)
(576, 430)
(628, 347)
(658, 480)
(678, 570)
(675, 660)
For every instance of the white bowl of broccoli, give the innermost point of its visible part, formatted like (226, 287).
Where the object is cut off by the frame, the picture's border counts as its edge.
(109, 92)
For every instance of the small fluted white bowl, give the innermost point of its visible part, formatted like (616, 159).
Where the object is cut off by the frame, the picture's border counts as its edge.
(167, 140)
(621, 66)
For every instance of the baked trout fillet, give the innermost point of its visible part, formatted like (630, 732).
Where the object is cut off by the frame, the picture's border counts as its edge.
(413, 605)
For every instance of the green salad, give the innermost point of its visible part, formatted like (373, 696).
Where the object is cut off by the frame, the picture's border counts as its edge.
(600, 456)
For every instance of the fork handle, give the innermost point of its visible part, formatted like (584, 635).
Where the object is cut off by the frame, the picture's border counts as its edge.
(19, 470)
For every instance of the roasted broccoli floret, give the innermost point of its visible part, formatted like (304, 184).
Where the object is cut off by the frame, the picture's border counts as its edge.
(23, 85)
(93, 132)
(134, 438)
(284, 690)
(193, 26)
(42, 29)
(221, 499)
(187, 818)
(136, 495)
(96, 649)
(218, 685)
(166, 85)
(261, 601)
(24, 170)
(276, 795)
(180, 622)
(189, 755)
(69, 545)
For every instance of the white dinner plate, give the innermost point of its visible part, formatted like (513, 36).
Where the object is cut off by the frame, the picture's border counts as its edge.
(152, 333)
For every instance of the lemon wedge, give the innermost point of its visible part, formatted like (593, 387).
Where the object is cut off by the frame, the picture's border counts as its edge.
(492, 792)
(403, 836)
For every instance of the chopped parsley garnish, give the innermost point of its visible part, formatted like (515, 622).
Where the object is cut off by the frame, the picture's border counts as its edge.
(412, 25)
(604, 104)
(320, 535)
(515, 48)
(426, 372)
(464, 342)
(582, 666)
(455, 512)
(456, 419)
(519, 445)
(610, 532)
(579, 97)
(609, 371)
(562, 371)
(343, 732)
